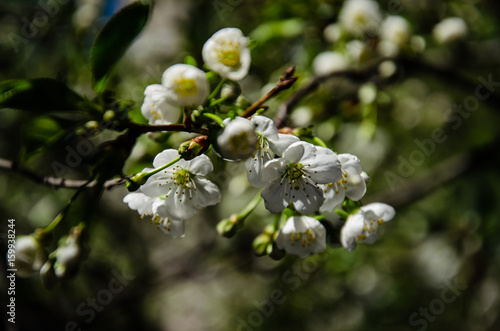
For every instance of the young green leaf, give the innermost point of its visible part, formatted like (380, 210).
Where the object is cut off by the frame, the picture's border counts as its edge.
(40, 95)
(114, 39)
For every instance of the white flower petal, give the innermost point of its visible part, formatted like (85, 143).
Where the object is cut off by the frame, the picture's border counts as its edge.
(273, 169)
(254, 170)
(200, 165)
(350, 231)
(165, 157)
(324, 168)
(381, 210)
(186, 85)
(302, 236)
(278, 146)
(206, 194)
(265, 126)
(275, 198)
(157, 184)
(307, 198)
(333, 200)
(299, 151)
(176, 229)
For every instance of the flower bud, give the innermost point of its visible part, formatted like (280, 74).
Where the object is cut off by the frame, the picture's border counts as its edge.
(194, 147)
(227, 227)
(238, 140)
(30, 256)
(243, 102)
(230, 92)
(260, 244)
(47, 275)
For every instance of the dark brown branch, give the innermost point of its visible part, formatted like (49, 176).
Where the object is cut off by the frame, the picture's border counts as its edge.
(361, 74)
(56, 182)
(285, 82)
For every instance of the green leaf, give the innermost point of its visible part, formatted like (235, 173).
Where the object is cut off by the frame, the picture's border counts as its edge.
(191, 61)
(41, 95)
(114, 39)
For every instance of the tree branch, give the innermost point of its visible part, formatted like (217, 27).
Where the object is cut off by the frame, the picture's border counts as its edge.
(360, 74)
(56, 182)
(285, 82)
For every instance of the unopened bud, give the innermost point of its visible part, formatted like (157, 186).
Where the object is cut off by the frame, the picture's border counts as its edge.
(108, 115)
(48, 276)
(134, 183)
(230, 92)
(238, 140)
(30, 256)
(260, 244)
(190, 149)
(243, 102)
(227, 227)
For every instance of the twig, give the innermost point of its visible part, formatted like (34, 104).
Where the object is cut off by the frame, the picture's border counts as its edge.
(285, 82)
(353, 74)
(56, 182)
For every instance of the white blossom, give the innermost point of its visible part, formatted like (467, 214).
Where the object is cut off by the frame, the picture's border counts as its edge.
(155, 208)
(227, 53)
(30, 256)
(362, 226)
(185, 85)
(395, 29)
(156, 107)
(269, 144)
(333, 32)
(328, 62)
(237, 140)
(449, 29)
(182, 187)
(295, 177)
(302, 236)
(360, 16)
(352, 185)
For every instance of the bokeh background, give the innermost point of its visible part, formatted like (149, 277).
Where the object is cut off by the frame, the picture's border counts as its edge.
(446, 230)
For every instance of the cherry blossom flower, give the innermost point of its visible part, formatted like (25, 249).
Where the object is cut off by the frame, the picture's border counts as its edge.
(360, 16)
(185, 85)
(30, 256)
(156, 107)
(237, 140)
(328, 62)
(155, 208)
(302, 236)
(269, 144)
(352, 185)
(362, 226)
(295, 177)
(182, 186)
(227, 53)
(450, 29)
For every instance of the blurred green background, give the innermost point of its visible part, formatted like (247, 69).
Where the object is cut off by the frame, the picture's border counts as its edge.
(446, 230)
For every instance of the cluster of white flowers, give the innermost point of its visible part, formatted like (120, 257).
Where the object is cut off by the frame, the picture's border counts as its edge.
(311, 182)
(183, 85)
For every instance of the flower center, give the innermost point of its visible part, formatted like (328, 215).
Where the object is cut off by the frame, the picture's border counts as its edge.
(229, 54)
(305, 238)
(342, 183)
(185, 87)
(294, 171)
(370, 227)
(182, 177)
